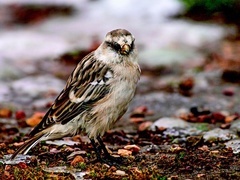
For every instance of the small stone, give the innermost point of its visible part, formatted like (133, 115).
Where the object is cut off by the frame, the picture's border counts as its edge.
(10, 151)
(144, 126)
(218, 134)
(18, 144)
(5, 113)
(225, 126)
(124, 152)
(120, 173)
(218, 117)
(140, 110)
(134, 148)
(7, 167)
(176, 149)
(214, 152)
(136, 120)
(230, 119)
(169, 122)
(175, 177)
(20, 115)
(2, 145)
(22, 165)
(201, 175)
(234, 145)
(204, 148)
(35, 119)
(229, 91)
(77, 160)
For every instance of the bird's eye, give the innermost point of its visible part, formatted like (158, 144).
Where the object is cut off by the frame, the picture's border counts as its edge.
(114, 45)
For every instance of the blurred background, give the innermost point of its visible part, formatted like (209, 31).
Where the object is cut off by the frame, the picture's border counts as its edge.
(187, 105)
(187, 48)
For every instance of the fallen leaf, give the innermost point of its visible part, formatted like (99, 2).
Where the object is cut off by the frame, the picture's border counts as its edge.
(77, 160)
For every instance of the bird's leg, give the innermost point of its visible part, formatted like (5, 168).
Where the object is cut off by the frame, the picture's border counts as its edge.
(103, 147)
(107, 155)
(96, 149)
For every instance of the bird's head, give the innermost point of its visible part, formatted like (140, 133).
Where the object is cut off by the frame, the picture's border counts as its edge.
(118, 46)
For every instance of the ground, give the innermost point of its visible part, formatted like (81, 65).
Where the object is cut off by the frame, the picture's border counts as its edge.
(175, 151)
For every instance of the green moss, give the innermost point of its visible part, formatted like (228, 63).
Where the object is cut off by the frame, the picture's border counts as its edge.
(210, 5)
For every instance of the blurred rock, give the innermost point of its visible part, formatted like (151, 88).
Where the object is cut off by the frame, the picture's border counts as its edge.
(36, 86)
(124, 152)
(234, 144)
(218, 134)
(78, 159)
(167, 122)
(35, 119)
(236, 125)
(134, 148)
(8, 70)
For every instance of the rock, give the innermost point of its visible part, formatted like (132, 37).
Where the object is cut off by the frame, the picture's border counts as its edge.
(133, 148)
(230, 118)
(124, 152)
(120, 173)
(20, 115)
(77, 160)
(157, 58)
(234, 144)
(235, 125)
(168, 122)
(144, 126)
(150, 148)
(35, 119)
(5, 113)
(42, 45)
(8, 70)
(36, 86)
(218, 134)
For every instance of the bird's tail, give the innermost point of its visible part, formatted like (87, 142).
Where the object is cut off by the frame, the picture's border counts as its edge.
(30, 143)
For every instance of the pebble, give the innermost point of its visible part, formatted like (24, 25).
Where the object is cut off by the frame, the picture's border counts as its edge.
(133, 148)
(120, 173)
(124, 152)
(234, 144)
(145, 126)
(218, 134)
(35, 119)
(169, 122)
(77, 160)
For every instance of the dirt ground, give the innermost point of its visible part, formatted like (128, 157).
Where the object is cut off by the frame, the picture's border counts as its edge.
(155, 155)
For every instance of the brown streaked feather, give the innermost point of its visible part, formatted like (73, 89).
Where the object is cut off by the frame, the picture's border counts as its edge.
(27, 145)
(63, 109)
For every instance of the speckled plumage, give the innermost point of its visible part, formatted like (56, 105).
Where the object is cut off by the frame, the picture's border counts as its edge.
(96, 95)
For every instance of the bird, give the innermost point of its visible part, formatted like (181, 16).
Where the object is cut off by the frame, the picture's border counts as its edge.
(96, 95)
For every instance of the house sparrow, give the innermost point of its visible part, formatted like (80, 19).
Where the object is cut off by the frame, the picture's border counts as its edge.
(96, 95)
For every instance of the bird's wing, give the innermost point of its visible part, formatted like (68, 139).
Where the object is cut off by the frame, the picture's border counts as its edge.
(87, 84)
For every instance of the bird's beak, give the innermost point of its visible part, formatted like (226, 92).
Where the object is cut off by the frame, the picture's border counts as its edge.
(125, 49)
